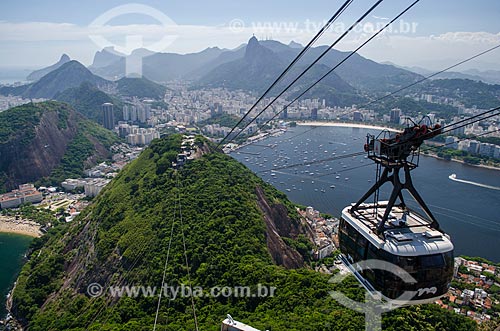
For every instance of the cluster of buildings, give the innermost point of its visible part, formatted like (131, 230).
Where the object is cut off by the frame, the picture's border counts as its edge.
(137, 136)
(137, 112)
(188, 151)
(10, 101)
(187, 106)
(473, 147)
(100, 175)
(91, 186)
(325, 232)
(476, 303)
(15, 198)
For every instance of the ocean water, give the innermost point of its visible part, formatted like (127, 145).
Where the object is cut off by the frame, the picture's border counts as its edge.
(9, 75)
(469, 211)
(12, 250)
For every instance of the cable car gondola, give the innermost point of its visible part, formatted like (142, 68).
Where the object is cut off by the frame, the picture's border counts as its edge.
(229, 324)
(391, 232)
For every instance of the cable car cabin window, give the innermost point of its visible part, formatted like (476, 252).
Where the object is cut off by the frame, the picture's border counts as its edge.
(348, 236)
(361, 247)
(343, 225)
(409, 264)
(372, 252)
(448, 259)
(432, 261)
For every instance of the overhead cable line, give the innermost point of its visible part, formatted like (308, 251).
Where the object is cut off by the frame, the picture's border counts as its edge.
(310, 66)
(164, 271)
(430, 76)
(466, 121)
(185, 255)
(339, 64)
(397, 91)
(297, 58)
(466, 138)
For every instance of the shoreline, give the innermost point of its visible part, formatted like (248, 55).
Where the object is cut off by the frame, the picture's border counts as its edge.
(367, 126)
(461, 161)
(346, 125)
(22, 227)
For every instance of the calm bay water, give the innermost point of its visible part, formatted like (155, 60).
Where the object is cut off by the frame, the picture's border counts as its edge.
(469, 212)
(12, 250)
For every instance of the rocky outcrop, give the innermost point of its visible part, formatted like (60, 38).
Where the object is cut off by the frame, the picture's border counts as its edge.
(278, 225)
(39, 141)
(25, 160)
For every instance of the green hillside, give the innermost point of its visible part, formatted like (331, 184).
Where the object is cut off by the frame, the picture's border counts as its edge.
(48, 141)
(123, 238)
(87, 99)
(140, 87)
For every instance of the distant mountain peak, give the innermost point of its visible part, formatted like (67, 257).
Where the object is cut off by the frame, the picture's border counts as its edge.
(112, 50)
(253, 40)
(37, 74)
(294, 44)
(64, 58)
(70, 74)
(254, 49)
(106, 56)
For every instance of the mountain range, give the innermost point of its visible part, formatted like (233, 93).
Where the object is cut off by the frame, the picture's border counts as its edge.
(252, 67)
(72, 74)
(488, 76)
(261, 59)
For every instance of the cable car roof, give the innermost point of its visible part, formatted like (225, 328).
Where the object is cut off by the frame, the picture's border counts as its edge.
(415, 238)
(235, 325)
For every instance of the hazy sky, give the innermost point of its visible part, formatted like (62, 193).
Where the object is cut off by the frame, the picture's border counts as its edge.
(435, 33)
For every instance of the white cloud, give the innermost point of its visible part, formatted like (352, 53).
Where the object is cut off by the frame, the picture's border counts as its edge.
(474, 37)
(49, 40)
(437, 52)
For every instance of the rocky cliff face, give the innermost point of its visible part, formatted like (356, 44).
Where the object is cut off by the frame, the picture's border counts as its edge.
(279, 224)
(35, 139)
(29, 163)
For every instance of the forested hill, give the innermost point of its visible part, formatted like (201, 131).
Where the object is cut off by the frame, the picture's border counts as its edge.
(48, 139)
(239, 231)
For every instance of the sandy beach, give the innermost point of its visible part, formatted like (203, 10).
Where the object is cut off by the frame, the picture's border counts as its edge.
(20, 226)
(347, 125)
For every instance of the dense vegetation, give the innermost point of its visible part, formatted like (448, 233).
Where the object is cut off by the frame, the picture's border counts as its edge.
(29, 212)
(141, 88)
(87, 100)
(470, 93)
(124, 237)
(21, 121)
(79, 150)
(70, 140)
(414, 108)
(223, 120)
